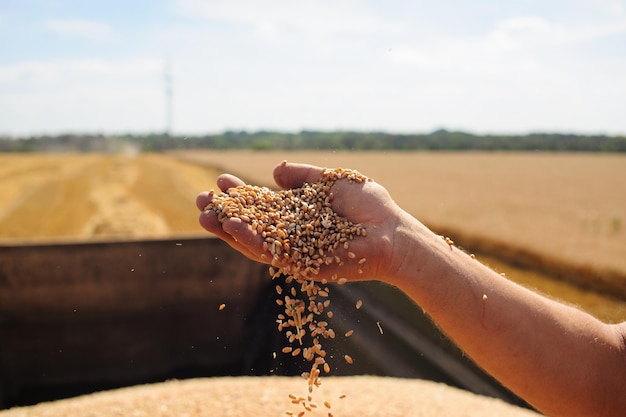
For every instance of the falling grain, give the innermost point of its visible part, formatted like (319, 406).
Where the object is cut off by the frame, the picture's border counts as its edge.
(294, 225)
(380, 328)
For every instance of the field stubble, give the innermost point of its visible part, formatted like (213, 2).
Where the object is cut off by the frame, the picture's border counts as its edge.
(97, 195)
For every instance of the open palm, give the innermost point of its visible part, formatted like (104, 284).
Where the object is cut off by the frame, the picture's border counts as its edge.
(367, 203)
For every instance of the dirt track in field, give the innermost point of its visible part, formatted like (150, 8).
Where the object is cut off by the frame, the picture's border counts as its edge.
(97, 195)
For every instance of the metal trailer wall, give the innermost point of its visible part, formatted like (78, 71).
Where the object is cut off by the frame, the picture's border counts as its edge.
(81, 317)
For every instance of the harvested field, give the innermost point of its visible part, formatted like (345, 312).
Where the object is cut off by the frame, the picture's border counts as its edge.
(569, 207)
(564, 214)
(84, 196)
(268, 396)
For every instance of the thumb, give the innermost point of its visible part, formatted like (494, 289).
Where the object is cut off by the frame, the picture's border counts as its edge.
(289, 175)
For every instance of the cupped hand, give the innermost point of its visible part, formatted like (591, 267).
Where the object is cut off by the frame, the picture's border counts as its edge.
(367, 203)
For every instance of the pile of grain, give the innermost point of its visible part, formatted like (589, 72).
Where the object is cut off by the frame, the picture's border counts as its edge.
(365, 396)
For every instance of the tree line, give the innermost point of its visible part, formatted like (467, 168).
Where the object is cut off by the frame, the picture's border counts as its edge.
(439, 140)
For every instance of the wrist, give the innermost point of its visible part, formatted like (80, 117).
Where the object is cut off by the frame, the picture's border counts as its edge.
(411, 250)
(419, 256)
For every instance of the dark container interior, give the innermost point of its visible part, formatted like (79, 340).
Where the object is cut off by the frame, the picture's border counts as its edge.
(82, 317)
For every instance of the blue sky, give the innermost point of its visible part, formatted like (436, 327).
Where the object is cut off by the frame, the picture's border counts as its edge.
(398, 66)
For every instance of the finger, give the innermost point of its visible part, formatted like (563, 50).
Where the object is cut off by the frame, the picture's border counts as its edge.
(226, 181)
(253, 242)
(249, 241)
(208, 220)
(289, 175)
(203, 199)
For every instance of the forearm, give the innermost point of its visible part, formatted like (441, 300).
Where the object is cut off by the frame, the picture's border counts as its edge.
(550, 354)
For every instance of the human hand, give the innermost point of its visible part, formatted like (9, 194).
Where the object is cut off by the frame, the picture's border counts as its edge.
(366, 203)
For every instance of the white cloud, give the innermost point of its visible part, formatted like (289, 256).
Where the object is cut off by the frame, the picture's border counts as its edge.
(83, 108)
(82, 94)
(74, 70)
(534, 32)
(81, 28)
(522, 73)
(309, 18)
(519, 45)
(610, 7)
(522, 31)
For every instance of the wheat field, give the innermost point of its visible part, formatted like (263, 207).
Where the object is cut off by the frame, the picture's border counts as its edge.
(85, 196)
(563, 209)
(570, 207)
(562, 213)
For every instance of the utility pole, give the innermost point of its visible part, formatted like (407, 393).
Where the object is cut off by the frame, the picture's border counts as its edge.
(168, 97)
